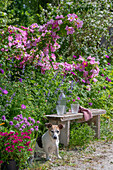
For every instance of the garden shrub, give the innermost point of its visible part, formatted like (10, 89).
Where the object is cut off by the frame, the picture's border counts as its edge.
(81, 135)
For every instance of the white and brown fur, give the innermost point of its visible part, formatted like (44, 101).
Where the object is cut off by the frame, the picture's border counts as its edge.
(49, 142)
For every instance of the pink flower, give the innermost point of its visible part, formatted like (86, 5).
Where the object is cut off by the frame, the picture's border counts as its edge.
(85, 63)
(95, 80)
(78, 23)
(80, 58)
(27, 137)
(5, 91)
(35, 25)
(85, 73)
(88, 87)
(53, 57)
(72, 17)
(70, 30)
(81, 68)
(2, 49)
(23, 106)
(10, 38)
(107, 56)
(78, 98)
(27, 143)
(1, 161)
(74, 56)
(89, 58)
(73, 73)
(29, 149)
(83, 80)
(59, 17)
(92, 62)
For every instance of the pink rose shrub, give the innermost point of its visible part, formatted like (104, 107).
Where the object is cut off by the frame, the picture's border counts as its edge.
(36, 45)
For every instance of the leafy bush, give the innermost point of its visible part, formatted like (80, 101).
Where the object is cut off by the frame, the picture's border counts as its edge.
(81, 135)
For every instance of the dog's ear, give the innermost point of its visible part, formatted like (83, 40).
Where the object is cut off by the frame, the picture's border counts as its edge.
(60, 126)
(48, 125)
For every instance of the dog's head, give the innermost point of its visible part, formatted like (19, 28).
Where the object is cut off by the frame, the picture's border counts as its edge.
(54, 130)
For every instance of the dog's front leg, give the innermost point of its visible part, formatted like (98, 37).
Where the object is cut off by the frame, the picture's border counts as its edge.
(47, 151)
(57, 153)
(47, 157)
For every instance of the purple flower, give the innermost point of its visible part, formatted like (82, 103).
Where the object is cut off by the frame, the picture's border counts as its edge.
(21, 122)
(20, 129)
(90, 103)
(0, 88)
(3, 117)
(17, 125)
(35, 127)
(25, 119)
(23, 106)
(73, 73)
(102, 75)
(32, 129)
(38, 121)
(109, 96)
(28, 124)
(2, 71)
(10, 123)
(21, 117)
(20, 80)
(104, 87)
(4, 91)
(108, 64)
(107, 78)
(29, 118)
(33, 121)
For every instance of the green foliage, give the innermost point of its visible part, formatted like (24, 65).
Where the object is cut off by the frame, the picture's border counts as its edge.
(97, 17)
(106, 128)
(81, 135)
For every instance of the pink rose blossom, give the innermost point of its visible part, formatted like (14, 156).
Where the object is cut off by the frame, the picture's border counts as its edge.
(70, 30)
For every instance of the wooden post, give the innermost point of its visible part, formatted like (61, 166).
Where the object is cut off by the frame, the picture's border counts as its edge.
(65, 133)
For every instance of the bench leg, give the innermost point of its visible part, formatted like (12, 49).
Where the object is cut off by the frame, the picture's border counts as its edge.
(96, 121)
(65, 134)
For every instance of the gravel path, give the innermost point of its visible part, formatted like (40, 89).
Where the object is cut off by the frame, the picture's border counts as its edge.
(98, 156)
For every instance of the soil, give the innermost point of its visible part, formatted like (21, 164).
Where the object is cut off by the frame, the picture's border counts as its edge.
(98, 156)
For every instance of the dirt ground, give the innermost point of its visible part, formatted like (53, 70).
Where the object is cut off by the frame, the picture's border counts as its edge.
(97, 156)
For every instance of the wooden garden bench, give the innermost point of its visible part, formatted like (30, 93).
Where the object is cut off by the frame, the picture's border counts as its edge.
(67, 118)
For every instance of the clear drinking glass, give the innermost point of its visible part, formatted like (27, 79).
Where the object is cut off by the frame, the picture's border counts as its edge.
(60, 109)
(75, 107)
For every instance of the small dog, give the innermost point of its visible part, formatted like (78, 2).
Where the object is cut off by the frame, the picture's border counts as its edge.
(49, 142)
